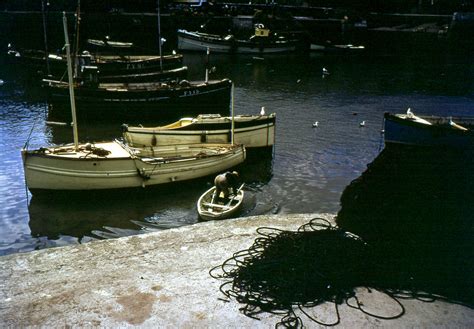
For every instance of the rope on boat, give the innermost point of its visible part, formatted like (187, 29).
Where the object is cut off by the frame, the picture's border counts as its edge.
(288, 273)
(27, 142)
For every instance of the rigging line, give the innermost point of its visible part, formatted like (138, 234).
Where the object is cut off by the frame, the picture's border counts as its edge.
(25, 147)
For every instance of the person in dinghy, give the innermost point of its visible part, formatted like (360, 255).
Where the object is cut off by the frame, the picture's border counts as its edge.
(227, 183)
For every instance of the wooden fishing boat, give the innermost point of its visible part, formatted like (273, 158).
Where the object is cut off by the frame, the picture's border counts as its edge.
(261, 42)
(93, 73)
(411, 129)
(250, 130)
(113, 165)
(138, 102)
(219, 209)
(34, 62)
(106, 43)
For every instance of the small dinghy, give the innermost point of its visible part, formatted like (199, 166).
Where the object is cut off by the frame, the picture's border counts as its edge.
(219, 209)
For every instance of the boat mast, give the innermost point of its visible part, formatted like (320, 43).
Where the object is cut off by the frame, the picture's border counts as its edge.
(45, 34)
(232, 110)
(207, 64)
(76, 47)
(71, 83)
(159, 34)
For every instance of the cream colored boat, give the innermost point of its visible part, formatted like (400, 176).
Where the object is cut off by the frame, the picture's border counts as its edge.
(208, 209)
(113, 165)
(250, 130)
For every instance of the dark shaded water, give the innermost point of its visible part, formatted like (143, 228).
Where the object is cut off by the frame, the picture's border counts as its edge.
(308, 172)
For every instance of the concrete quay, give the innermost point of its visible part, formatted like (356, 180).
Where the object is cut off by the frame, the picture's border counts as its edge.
(161, 280)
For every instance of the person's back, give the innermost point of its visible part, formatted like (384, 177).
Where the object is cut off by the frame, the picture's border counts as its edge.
(226, 183)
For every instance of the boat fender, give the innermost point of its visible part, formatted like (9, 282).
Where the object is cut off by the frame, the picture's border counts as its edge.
(153, 140)
(184, 83)
(143, 174)
(203, 137)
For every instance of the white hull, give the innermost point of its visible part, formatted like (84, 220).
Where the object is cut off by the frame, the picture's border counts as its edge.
(208, 210)
(195, 41)
(64, 169)
(198, 45)
(251, 131)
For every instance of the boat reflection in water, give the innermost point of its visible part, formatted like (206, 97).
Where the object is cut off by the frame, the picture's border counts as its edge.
(415, 207)
(113, 215)
(130, 212)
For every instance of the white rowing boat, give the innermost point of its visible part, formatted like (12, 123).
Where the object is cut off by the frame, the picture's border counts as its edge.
(210, 209)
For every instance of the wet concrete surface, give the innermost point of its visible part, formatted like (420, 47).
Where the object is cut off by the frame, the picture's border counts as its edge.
(161, 279)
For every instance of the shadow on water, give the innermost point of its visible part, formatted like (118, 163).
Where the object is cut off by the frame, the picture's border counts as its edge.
(111, 214)
(404, 231)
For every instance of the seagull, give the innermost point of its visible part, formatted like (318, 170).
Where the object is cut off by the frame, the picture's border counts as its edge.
(362, 124)
(315, 124)
(262, 110)
(298, 81)
(409, 113)
(325, 72)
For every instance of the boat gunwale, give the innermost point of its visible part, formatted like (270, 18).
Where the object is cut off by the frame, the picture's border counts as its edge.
(198, 129)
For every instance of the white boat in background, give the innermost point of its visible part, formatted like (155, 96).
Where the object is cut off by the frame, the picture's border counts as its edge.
(249, 130)
(114, 165)
(210, 210)
(107, 43)
(263, 41)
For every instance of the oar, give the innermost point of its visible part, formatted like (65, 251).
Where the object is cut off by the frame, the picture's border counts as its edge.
(235, 195)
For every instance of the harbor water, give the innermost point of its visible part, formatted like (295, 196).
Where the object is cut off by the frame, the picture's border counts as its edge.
(306, 172)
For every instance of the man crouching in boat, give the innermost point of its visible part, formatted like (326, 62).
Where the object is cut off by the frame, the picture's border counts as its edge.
(228, 183)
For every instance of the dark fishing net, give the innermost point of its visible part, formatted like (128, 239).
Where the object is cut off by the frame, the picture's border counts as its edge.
(285, 272)
(284, 269)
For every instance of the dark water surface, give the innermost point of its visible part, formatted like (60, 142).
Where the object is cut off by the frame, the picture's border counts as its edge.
(307, 172)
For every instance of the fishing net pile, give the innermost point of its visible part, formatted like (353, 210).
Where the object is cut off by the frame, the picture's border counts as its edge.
(288, 272)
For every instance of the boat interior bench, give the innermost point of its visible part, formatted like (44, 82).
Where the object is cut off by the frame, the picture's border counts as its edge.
(215, 205)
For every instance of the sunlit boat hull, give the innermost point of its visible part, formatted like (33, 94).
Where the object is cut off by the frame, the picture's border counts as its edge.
(250, 130)
(93, 168)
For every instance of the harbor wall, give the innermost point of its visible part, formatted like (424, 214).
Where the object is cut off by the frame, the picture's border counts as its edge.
(163, 279)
